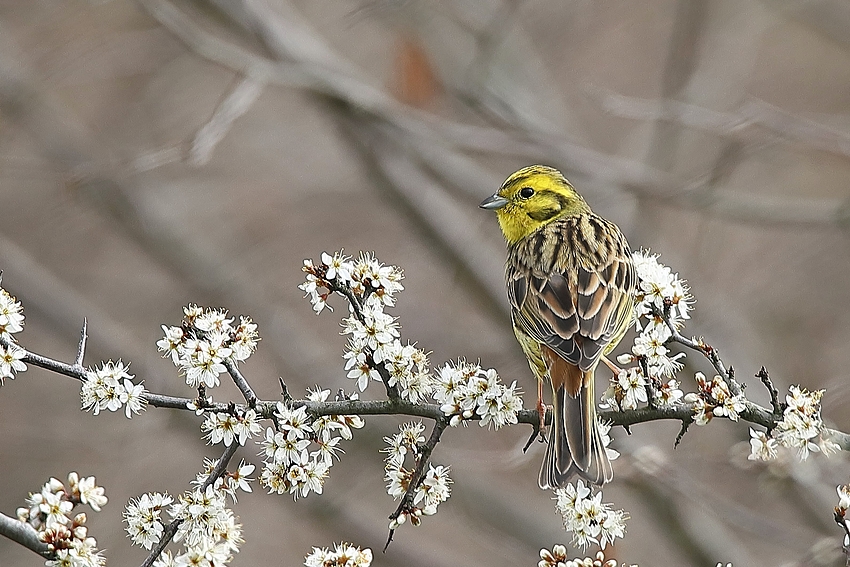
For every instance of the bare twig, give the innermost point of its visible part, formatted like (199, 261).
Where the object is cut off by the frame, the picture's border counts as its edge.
(284, 391)
(241, 383)
(682, 412)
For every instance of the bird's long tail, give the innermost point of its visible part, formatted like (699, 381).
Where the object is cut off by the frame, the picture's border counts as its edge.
(575, 445)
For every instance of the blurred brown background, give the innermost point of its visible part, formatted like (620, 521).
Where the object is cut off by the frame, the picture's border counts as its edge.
(161, 152)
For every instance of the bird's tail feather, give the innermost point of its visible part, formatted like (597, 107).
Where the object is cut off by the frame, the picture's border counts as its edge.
(575, 445)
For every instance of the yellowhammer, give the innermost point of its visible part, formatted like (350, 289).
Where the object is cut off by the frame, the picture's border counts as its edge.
(571, 286)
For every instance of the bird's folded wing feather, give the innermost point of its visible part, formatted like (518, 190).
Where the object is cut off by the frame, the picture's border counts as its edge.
(576, 315)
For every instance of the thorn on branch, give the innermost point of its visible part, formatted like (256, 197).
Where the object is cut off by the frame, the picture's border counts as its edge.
(81, 348)
(734, 386)
(534, 435)
(778, 407)
(686, 423)
(284, 391)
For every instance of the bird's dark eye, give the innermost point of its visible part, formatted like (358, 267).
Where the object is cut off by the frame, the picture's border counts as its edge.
(526, 192)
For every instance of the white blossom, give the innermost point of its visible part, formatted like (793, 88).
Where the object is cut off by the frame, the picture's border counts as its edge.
(434, 487)
(339, 266)
(762, 447)
(111, 387)
(657, 283)
(604, 428)
(11, 361)
(49, 513)
(465, 390)
(362, 371)
(343, 555)
(143, 517)
(587, 517)
(11, 315)
(669, 393)
(633, 385)
(801, 426)
(843, 497)
(245, 338)
(87, 490)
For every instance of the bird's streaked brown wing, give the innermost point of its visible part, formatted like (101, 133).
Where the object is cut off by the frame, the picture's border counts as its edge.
(581, 301)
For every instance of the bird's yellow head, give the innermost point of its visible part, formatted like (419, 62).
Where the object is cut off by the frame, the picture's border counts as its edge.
(531, 198)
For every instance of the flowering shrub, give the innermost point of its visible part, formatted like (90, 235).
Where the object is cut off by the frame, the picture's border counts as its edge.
(300, 440)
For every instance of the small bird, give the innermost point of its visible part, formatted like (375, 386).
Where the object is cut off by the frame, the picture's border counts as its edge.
(571, 287)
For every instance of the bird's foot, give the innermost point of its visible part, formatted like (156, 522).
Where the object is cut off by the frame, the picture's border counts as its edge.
(541, 428)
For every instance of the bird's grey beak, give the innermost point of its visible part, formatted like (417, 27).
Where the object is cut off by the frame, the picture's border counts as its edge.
(493, 202)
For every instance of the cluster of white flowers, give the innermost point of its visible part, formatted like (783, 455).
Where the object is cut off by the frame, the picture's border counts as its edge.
(48, 511)
(558, 558)
(369, 280)
(205, 340)
(11, 321)
(208, 528)
(801, 428)
(659, 291)
(464, 390)
(587, 517)
(713, 399)
(11, 314)
(144, 525)
(343, 555)
(228, 427)
(628, 389)
(374, 343)
(111, 387)
(289, 464)
(431, 491)
(230, 482)
(657, 286)
(762, 447)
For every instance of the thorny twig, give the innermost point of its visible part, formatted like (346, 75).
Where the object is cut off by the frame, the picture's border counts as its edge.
(778, 407)
(265, 408)
(418, 475)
